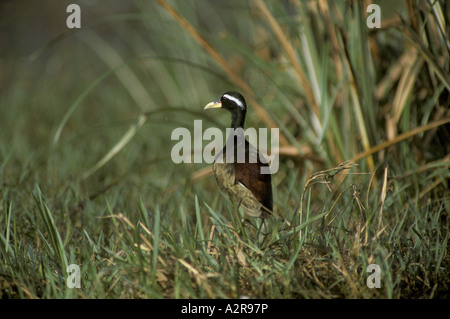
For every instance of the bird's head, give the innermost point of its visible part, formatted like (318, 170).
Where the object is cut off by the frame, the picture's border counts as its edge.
(234, 102)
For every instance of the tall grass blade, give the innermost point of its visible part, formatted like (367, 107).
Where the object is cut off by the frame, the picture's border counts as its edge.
(55, 241)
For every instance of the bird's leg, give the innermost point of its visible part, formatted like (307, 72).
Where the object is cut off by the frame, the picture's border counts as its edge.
(238, 217)
(210, 244)
(261, 234)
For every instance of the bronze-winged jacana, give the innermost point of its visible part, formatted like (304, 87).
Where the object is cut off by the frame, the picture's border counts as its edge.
(242, 179)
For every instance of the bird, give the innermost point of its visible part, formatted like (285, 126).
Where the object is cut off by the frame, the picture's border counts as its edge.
(242, 178)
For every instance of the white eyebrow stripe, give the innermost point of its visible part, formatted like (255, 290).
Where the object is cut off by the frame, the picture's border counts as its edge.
(232, 98)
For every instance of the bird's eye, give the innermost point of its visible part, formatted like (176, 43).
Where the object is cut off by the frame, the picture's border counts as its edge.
(235, 100)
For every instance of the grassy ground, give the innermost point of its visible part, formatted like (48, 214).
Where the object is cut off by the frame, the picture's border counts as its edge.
(86, 176)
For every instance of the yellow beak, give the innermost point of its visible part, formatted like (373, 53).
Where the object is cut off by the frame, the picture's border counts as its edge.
(213, 105)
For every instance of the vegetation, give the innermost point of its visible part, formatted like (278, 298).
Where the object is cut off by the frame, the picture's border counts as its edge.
(86, 176)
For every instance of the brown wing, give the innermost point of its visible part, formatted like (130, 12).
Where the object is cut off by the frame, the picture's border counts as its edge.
(249, 174)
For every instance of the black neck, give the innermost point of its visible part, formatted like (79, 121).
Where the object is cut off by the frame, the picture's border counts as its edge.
(237, 119)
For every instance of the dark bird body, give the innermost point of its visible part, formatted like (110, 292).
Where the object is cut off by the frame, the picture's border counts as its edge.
(241, 178)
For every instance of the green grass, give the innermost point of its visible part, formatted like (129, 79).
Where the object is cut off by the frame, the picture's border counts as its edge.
(86, 176)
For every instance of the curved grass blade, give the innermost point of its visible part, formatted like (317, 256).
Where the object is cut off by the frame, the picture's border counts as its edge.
(117, 147)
